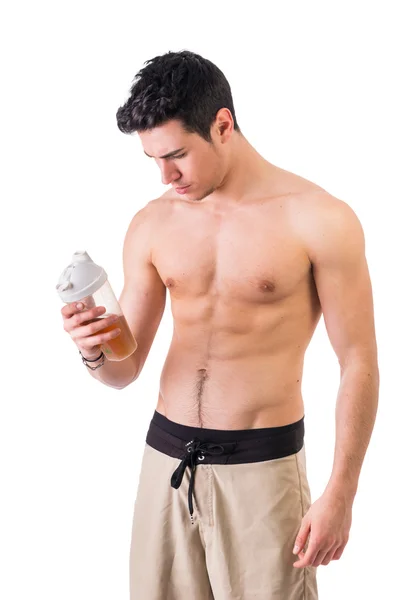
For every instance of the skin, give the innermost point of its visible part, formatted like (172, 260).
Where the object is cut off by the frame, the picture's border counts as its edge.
(252, 256)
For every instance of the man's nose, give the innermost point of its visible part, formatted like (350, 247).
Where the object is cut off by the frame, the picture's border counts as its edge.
(169, 173)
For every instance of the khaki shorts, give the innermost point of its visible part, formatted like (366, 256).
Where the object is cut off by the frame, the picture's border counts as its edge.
(217, 513)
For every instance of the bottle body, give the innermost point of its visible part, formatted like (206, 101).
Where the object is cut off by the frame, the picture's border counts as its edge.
(124, 344)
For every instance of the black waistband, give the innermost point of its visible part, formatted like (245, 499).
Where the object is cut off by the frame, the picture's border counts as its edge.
(197, 445)
(239, 445)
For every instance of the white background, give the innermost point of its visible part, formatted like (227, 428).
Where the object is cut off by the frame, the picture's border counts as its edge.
(315, 88)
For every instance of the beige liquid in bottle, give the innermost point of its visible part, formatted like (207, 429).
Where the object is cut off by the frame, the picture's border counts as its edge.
(120, 347)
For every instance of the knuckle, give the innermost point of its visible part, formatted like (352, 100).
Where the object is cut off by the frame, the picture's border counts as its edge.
(76, 320)
(91, 328)
(316, 541)
(315, 563)
(307, 562)
(102, 325)
(84, 315)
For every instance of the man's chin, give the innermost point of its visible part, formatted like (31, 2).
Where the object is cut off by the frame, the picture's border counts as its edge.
(194, 196)
(199, 197)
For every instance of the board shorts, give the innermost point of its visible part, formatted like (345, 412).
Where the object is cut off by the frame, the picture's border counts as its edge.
(217, 513)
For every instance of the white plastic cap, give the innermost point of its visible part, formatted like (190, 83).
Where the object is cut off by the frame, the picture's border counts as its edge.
(81, 278)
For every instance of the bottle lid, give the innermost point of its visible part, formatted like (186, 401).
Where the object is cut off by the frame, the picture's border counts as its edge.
(81, 278)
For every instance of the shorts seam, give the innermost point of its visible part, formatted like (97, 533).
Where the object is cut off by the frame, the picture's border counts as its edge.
(210, 495)
(302, 515)
(202, 534)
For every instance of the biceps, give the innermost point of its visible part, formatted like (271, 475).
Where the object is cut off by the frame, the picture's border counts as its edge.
(347, 305)
(142, 301)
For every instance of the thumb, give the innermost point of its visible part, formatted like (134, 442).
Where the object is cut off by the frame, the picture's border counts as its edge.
(302, 536)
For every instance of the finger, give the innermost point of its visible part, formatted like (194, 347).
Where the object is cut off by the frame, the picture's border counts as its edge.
(87, 315)
(308, 558)
(70, 309)
(96, 340)
(301, 554)
(329, 556)
(88, 329)
(320, 557)
(82, 317)
(338, 553)
(301, 537)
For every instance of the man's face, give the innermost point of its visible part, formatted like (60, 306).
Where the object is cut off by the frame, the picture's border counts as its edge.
(194, 162)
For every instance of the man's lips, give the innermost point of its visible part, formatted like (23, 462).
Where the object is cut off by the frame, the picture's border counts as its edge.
(181, 190)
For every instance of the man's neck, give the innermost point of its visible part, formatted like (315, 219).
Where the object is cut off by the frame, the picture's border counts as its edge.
(247, 167)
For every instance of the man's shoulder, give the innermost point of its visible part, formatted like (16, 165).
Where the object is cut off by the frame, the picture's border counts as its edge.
(320, 221)
(316, 206)
(301, 196)
(151, 213)
(325, 223)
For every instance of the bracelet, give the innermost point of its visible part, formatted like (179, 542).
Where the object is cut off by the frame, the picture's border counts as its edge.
(93, 359)
(86, 360)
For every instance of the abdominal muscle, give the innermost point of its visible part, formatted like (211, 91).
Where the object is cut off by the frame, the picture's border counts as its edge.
(220, 379)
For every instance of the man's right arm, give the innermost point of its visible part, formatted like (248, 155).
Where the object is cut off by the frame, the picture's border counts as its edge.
(116, 374)
(142, 301)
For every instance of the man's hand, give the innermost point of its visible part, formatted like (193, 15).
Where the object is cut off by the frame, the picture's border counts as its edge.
(327, 522)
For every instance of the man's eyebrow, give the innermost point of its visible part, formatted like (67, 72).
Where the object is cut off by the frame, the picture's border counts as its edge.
(169, 153)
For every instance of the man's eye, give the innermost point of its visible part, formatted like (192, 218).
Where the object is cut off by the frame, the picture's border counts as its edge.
(180, 155)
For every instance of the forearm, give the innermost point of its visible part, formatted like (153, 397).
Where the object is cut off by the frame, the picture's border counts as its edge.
(355, 417)
(116, 374)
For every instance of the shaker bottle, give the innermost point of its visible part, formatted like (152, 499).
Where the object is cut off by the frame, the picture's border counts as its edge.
(86, 282)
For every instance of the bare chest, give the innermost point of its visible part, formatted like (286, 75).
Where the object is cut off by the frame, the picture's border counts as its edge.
(242, 257)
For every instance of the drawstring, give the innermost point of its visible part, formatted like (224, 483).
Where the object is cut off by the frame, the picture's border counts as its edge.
(194, 450)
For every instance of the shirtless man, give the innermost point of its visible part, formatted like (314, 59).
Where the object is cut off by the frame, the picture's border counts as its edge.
(252, 255)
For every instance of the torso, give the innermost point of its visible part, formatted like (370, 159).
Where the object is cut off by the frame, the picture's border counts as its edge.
(244, 306)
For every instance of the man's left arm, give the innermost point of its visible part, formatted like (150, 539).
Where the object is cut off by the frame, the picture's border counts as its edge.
(336, 246)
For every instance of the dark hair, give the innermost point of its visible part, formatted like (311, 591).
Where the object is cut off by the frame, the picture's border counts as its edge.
(177, 85)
